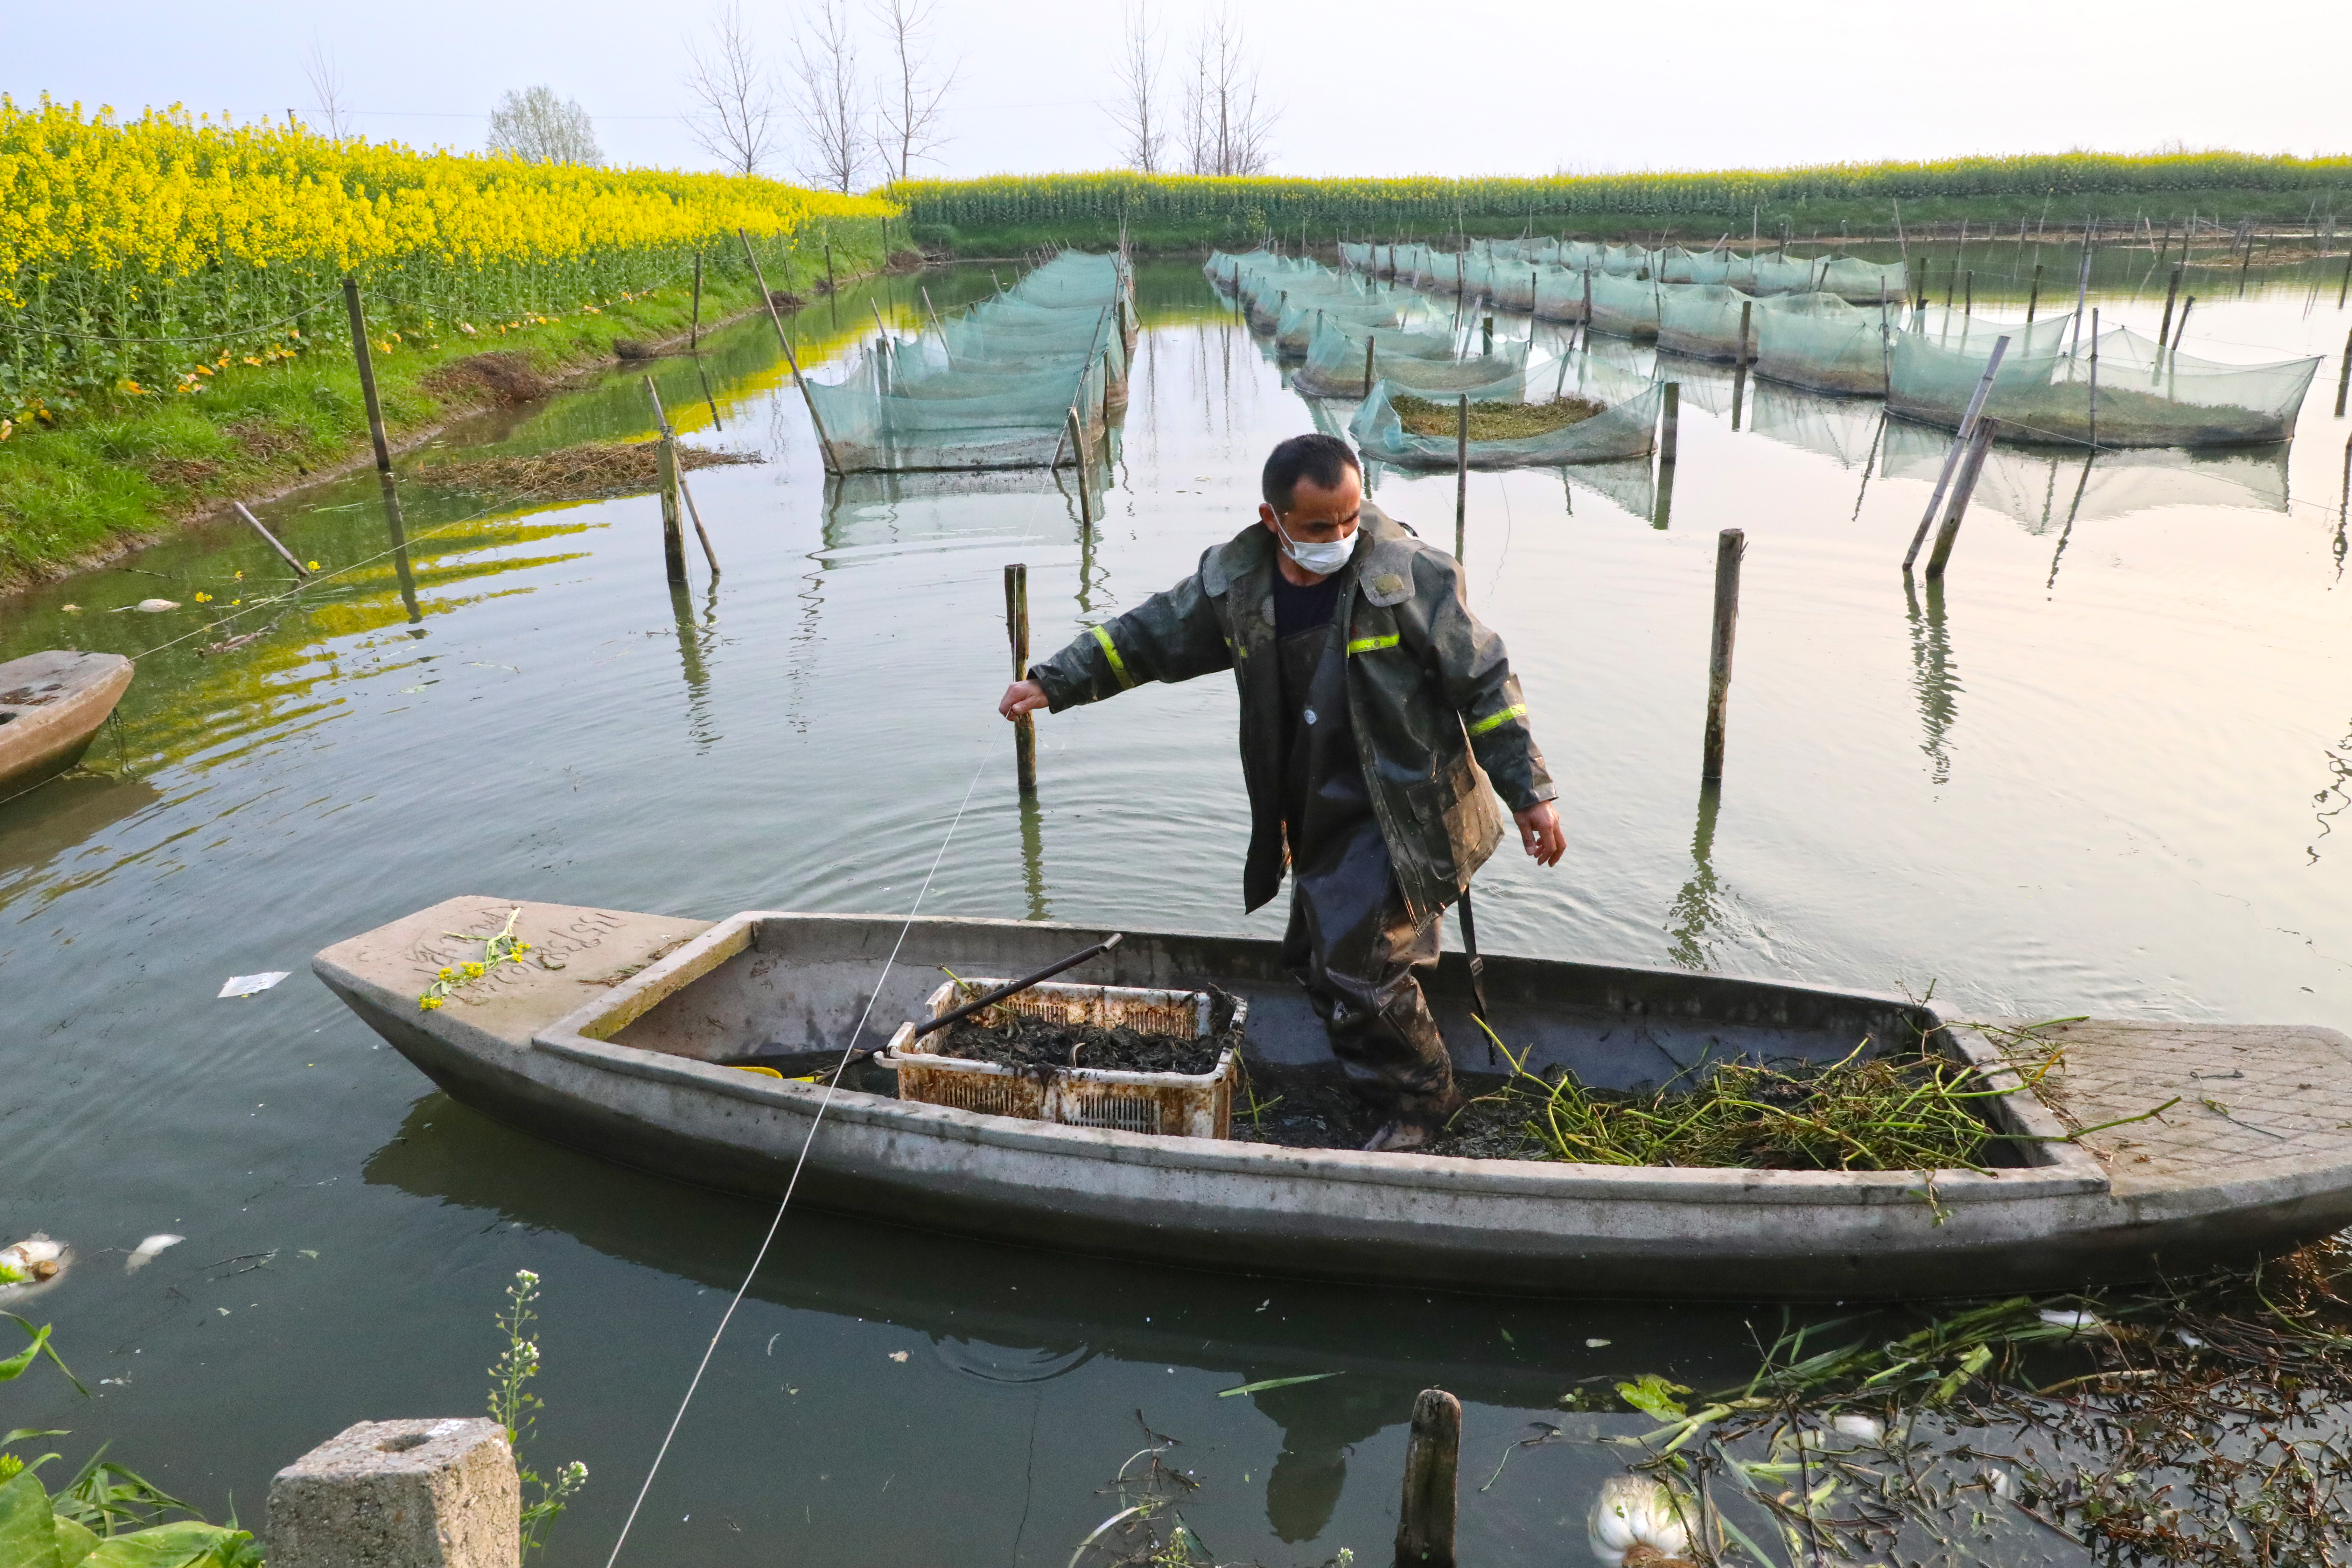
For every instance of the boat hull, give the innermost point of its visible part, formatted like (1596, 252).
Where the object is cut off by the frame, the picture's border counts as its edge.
(609, 1076)
(51, 703)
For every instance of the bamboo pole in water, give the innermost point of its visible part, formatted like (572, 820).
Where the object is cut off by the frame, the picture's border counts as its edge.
(2172, 298)
(1016, 628)
(672, 511)
(2094, 380)
(1670, 418)
(1461, 471)
(374, 407)
(301, 571)
(2344, 379)
(832, 462)
(1959, 441)
(1730, 548)
(1978, 444)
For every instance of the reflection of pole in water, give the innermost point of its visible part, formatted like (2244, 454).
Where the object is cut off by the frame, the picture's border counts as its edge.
(1934, 677)
(707, 398)
(1869, 460)
(2342, 509)
(1697, 913)
(2068, 532)
(1033, 856)
(689, 659)
(401, 569)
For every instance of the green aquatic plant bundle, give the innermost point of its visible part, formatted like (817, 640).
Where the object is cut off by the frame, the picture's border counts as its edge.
(1902, 1112)
(1492, 421)
(504, 948)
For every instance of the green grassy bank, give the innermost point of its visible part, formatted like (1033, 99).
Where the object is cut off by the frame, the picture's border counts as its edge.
(1010, 215)
(79, 490)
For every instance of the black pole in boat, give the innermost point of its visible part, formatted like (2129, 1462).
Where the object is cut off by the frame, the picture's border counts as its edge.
(1001, 991)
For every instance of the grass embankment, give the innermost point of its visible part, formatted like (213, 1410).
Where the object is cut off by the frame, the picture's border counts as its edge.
(1163, 214)
(172, 323)
(122, 471)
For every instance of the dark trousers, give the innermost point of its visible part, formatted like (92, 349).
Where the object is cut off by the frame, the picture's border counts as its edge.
(1359, 956)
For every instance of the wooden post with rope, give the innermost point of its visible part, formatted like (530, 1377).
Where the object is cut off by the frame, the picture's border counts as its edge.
(1016, 628)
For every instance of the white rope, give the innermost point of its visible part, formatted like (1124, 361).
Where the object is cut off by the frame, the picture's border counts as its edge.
(776, 1223)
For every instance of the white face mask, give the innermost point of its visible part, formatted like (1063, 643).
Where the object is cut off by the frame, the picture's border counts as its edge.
(1320, 559)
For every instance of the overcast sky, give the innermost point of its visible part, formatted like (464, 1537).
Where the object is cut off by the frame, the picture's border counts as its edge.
(1377, 87)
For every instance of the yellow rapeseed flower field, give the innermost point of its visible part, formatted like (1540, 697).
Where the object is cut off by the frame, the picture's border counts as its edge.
(137, 256)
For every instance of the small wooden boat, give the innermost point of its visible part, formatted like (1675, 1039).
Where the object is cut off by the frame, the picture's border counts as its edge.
(51, 703)
(610, 1035)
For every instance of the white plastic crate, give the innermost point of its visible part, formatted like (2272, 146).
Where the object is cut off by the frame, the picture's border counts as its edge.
(1178, 1104)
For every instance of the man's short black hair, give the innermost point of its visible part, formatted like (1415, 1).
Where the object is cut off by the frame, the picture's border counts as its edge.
(1320, 457)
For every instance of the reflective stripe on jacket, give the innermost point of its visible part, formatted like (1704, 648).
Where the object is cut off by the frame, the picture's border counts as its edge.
(1436, 712)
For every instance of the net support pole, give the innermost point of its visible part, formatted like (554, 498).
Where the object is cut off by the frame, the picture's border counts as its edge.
(1730, 548)
(832, 461)
(2172, 298)
(2094, 382)
(1959, 442)
(1744, 357)
(1016, 629)
(1078, 439)
(374, 406)
(672, 509)
(1670, 423)
(2181, 330)
(1372, 339)
(2344, 377)
(1433, 1460)
(1980, 443)
(1461, 471)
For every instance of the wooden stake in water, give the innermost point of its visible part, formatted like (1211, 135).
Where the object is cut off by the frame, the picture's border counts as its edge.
(1077, 436)
(2094, 380)
(1016, 628)
(672, 507)
(1969, 294)
(1745, 357)
(1669, 420)
(1370, 338)
(2181, 330)
(2172, 298)
(1461, 471)
(1959, 442)
(694, 327)
(1433, 1460)
(2343, 380)
(1487, 336)
(375, 418)
(1730, 548)
(1978, 444)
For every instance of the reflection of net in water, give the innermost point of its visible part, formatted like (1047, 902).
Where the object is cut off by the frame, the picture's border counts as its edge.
(2037, 487)
(1841, 430)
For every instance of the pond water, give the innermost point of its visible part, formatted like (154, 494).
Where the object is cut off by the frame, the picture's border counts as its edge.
(2103, 770)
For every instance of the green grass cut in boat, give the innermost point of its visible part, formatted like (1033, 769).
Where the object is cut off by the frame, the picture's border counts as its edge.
(1900, 1111)
(1495, 421)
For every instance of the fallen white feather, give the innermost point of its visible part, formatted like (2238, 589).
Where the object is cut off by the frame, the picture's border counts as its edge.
(248, 985)
(145, 1253)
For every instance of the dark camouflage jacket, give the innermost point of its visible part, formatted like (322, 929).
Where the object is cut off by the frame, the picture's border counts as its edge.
(1435, 708)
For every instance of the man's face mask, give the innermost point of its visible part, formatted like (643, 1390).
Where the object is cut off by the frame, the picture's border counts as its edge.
(1320, 559)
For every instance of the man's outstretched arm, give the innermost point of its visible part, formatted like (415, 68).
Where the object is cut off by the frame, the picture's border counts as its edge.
(1169, 636)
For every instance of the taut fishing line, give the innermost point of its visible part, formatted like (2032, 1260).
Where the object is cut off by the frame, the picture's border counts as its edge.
(776, 1224)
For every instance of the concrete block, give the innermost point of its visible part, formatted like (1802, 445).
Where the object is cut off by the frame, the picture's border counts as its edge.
(400, 1494)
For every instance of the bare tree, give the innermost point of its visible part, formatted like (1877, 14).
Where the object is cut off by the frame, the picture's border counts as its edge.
(1228, 122)
(326, 86)
(910, 92)
(1143, 133)
(540, 128)
(829, 100)
(734, 93)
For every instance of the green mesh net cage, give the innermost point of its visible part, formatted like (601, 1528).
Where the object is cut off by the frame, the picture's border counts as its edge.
(1625, 307)
(1619, 418)
(1702, 320)
(1822, 344)
(993, 388)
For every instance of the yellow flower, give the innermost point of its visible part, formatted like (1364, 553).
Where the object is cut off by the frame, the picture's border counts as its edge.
(313, 567)
(448, 973)
(204, 598)
(473, 972)
(428, 1003)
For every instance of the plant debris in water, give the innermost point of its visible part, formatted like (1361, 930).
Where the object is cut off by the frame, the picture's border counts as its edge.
(585, 472)
(1495, 421)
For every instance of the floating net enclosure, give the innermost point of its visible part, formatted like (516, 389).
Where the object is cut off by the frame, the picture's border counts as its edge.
(1701, 320)
(1336, 357)
(2145, 395)
(1863, 282)
(1821, 343)
(1624, 260)
(993, 388)
(1560, 294)
(1774, 273)
(1614, 423)
(1625, 307)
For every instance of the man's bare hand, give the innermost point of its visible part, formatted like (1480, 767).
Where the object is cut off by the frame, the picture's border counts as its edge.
(1027, 697)
(1540, 833)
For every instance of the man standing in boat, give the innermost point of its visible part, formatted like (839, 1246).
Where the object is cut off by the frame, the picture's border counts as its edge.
(1376, 710)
